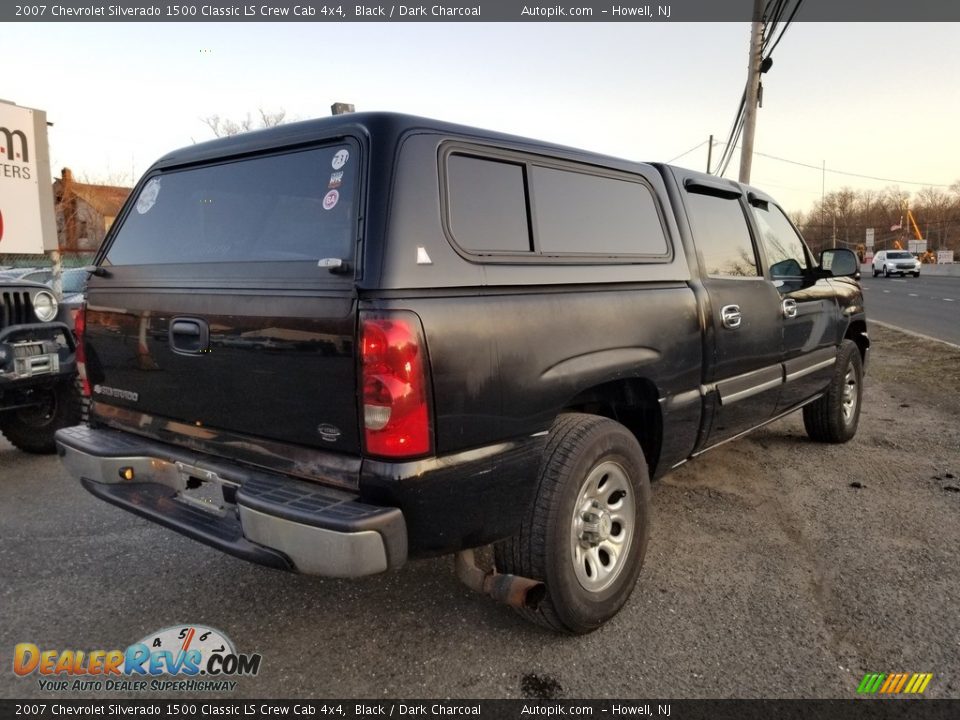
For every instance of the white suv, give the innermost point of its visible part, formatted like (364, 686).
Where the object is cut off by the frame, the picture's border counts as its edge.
(895, 262)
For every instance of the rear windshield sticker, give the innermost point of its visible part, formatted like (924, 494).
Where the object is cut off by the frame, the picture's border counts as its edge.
(330, 200)
(148, 196)
(336, 179)
(340, 159)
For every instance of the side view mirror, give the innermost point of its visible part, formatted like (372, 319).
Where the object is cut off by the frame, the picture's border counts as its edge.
(840, 262)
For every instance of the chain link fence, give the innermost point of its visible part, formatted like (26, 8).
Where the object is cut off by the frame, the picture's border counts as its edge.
(13, 261)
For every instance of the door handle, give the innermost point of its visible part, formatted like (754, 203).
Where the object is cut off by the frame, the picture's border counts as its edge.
(189, 336)
(730, 316)
(186, 327)
(789, 306)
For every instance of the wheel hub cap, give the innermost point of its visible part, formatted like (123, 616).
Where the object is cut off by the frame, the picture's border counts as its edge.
(602, 526)
(849, 401)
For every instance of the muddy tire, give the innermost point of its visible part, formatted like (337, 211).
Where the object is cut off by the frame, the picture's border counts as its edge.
(835, 416)
(585, 535)
(32, 429)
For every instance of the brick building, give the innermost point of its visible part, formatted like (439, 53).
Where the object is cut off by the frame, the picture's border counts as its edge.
(84, 212)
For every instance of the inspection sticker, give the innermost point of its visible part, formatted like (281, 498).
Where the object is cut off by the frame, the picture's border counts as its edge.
(336, 179)
(340, 159)
(330, 200)
(148, 196)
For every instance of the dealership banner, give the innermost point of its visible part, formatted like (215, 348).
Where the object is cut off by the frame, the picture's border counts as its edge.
(27, 223)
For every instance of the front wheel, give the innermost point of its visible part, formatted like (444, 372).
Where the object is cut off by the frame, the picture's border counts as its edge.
(886, 273)
(585, 535)
(835, 416)
(32, 428)
(916, 274)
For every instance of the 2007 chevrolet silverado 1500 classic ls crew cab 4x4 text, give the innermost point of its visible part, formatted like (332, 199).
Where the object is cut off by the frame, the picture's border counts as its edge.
(336, 345)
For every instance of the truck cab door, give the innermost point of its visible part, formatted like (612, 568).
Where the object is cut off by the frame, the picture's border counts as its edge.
(809, 309)
(742, 347)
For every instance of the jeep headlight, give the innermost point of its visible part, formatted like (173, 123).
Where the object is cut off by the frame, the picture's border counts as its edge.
(44, 306)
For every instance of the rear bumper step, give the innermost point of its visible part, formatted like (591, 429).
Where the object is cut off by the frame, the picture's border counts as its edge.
(269, 519)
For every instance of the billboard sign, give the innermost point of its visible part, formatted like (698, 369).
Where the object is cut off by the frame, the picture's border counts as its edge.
(27, 223)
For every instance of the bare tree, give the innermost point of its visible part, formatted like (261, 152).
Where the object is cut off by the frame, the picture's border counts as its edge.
(225, 127)
(936, 206)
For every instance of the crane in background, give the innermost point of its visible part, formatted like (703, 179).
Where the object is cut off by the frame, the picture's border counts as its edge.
(920, 250)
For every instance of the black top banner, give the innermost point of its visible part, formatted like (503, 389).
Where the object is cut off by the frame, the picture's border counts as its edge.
(470, 11)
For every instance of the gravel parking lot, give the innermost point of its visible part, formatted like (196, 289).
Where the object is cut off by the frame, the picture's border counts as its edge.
(777, 568)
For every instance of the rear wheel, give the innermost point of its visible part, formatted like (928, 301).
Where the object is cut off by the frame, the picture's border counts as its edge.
(875, 272)
(835, 416)
(31, 429)
(586, 533)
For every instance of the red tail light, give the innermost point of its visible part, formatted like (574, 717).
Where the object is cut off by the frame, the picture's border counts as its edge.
(79, 328)
(395, 394)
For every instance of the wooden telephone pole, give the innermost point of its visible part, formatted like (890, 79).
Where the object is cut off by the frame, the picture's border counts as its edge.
(753, 92)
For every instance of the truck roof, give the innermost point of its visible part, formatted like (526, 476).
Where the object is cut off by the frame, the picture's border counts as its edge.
(388, 127)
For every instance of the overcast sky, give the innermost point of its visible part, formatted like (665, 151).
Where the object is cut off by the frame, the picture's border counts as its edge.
(868, 98)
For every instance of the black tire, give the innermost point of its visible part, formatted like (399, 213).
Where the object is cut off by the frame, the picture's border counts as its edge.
(32, 429)
(586, 457)
(916, 274)
(886, 273)
(875, 272)
(835, 416)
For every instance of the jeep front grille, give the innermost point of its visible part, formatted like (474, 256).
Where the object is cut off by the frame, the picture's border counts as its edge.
(15, 309)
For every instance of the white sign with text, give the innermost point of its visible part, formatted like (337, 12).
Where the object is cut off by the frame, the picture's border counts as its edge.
(25, 199)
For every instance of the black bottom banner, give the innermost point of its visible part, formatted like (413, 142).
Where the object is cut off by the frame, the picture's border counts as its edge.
(520, 709)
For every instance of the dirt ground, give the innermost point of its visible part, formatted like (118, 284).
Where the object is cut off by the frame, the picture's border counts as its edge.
(861, 538)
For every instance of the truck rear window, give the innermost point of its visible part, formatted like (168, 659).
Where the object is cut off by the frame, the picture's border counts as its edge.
(292, 207)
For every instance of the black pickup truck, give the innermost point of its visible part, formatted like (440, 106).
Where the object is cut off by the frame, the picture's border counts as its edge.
(336, 345)
(37, 367)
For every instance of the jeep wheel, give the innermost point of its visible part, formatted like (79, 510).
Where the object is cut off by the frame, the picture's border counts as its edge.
(835, 416)
(586, 533)
(32, 428)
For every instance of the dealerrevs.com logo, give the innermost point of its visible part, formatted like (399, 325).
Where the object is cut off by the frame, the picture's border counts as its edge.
(185, 658)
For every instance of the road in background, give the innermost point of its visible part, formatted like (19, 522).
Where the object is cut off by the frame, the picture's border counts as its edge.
(927, 305)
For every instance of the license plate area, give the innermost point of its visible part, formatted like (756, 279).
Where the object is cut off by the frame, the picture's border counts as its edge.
(204, 489)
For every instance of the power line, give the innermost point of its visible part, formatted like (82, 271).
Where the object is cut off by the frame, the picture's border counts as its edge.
(850, 174)
(732, 138)
(785, 26)
(769, 19)
(845, 172)
(695, 147)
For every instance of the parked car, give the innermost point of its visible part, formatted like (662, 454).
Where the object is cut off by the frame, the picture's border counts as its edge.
(37, 367)
(17, 273)
(895, 262)
(511, 339)
(43, 275)
(73, 284)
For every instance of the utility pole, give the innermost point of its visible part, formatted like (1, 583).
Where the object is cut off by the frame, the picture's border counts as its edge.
(753, 92)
